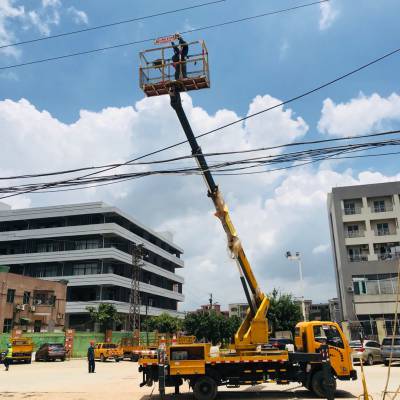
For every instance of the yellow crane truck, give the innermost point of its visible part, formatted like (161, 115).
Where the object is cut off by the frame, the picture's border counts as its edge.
(322, 353)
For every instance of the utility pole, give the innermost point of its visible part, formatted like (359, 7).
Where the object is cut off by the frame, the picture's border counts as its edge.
(210, 300)
(134, 298)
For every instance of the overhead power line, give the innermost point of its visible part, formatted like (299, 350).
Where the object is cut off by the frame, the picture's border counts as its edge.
(310, 155)
(105, 48)
(116, 165)
(111, 24)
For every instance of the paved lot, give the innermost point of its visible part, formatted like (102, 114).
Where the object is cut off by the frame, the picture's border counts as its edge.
(120, 381)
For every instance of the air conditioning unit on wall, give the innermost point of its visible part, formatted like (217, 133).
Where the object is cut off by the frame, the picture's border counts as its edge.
(20, 307)
(350, 289)
(33, 308)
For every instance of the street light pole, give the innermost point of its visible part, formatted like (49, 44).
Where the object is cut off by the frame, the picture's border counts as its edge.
(297, 257)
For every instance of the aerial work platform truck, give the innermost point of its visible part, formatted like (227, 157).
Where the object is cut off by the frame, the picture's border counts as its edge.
(322, 353)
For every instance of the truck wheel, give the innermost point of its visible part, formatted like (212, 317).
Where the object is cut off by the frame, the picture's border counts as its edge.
(205, 388)
(318, 384)
(102, 358)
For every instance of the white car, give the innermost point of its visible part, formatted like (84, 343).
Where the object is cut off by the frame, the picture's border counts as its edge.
(369, 351)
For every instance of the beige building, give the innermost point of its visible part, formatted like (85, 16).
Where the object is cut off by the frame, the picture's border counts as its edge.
(238, 309)
(364, 222)
(30, 304)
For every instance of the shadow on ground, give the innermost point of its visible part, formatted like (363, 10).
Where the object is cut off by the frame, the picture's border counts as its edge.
(252, 393)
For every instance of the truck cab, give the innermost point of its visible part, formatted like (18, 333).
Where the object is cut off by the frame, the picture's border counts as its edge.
(310, 336)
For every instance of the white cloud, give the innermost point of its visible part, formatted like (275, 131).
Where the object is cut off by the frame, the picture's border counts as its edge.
(328, 14)
(359, 115)
(9, 12)
(51, 3)
(42, 19)
(322, 248)
(78, 16)
(273, 212)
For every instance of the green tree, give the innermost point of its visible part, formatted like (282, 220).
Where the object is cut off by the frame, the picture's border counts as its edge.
(163, 323)
(211, 326)
(105, 314)
(283, 313)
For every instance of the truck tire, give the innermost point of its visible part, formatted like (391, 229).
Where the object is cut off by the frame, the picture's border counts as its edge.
(318, 384)
(205, 388)
(102, 358)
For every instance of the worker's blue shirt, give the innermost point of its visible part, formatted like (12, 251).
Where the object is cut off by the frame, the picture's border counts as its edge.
(90, 353)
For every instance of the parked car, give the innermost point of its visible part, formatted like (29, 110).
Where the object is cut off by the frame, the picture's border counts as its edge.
(50, 352)
(387, 348)
(280, 343)
(369, 351)
(108, 351)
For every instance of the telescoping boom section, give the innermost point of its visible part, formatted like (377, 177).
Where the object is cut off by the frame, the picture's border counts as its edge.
(254, 329)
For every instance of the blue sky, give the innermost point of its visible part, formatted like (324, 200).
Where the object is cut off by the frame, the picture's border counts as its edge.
(278, 56)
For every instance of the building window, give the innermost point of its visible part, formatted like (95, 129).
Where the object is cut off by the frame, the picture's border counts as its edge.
(352, 231)
(27, 297)
(10, 295)
(356, 254)
(382, 229)
(86, 269)
(375, 284)
(360, 286)
(349, 207)
(44, 298)
(37, 325)
(379, 206)
(7, 325)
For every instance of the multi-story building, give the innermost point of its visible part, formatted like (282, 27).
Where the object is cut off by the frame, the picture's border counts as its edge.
(90, 245)
(364, 222)
(238, 309)
(31, 304)
(334, 310)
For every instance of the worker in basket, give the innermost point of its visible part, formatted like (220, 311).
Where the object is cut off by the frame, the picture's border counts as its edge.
(179, 57)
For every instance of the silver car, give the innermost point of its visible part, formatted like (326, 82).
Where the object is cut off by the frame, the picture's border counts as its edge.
(369, 351)
(387, 348)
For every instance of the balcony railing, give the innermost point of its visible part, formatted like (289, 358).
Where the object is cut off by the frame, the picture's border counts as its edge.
(352, 210)
(385, 256)
(382, 208)
(385, 231)
(357, 258)
(353, 234)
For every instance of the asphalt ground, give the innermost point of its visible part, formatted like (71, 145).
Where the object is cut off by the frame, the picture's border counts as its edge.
(70, 380)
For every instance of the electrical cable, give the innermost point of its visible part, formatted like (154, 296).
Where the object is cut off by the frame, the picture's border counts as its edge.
(217, 174)
(116, 165)
(126, 21)
(315, 154)
(91, 51)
